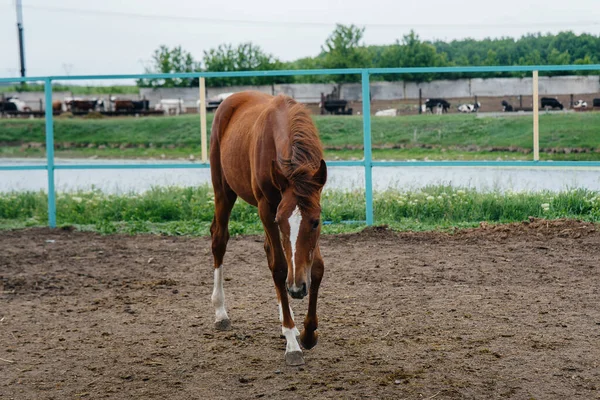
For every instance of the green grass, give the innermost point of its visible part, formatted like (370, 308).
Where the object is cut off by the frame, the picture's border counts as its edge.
(418, 136)
(189, 211)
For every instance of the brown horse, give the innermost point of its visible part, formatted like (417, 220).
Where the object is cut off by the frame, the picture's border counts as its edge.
(267, 151)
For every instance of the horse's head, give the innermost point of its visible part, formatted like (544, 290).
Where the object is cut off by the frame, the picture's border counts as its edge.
(299, 221)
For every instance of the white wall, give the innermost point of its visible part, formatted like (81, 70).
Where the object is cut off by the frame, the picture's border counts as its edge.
(311, 93)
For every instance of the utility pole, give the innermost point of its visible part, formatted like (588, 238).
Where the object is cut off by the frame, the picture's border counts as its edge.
(21, 41)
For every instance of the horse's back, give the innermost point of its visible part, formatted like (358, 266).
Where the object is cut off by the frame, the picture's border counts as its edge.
(232, 140)
(236, 111)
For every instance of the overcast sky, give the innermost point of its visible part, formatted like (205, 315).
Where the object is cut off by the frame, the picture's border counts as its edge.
(118, 36)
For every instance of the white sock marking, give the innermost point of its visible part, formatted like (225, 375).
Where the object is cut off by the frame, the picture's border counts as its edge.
(296, 331)
(218, 296)
(290, 337)
(295, 220)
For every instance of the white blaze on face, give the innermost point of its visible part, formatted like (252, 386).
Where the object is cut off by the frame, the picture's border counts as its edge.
(295, 220)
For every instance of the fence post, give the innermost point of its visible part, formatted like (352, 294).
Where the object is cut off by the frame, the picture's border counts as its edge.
(50, 153)
(203, 118)
(536, 118)
(368, 159)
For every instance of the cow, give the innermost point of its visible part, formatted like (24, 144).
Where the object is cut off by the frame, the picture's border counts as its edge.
(123, 105)
(441, 104)
(169, 105)
(506, 107)
(469, 108)
(130, 105)
(8, 108)
(596, 102)
(550, 103)
(139, 105)
(580, 104)
(20, 104)
(58, 106)
(78, 105)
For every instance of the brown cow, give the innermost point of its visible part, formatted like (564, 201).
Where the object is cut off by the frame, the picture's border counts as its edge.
(123, 105)
(82, 105)
(57, 106)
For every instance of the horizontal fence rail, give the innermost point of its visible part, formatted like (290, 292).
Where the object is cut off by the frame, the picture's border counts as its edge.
(374, 163)
(300, 72)
(368, 163)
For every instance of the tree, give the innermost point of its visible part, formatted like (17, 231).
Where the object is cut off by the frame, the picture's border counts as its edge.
(244, 57)
(555, 57)
(582, 61)
(411, 52)
(309, 63)
(168, 61)
(343, 49)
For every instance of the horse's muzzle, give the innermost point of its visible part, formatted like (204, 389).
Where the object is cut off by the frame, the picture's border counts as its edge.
(298, 293)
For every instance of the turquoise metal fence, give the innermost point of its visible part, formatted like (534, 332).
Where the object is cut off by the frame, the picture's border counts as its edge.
(367, 162)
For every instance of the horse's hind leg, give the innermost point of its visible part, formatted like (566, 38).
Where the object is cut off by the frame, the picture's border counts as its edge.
(224, 201)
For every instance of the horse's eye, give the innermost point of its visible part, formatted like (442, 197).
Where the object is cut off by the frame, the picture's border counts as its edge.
(315, 224)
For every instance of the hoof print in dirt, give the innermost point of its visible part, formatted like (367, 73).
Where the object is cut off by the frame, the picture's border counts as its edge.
(294, 358)
(223, 325)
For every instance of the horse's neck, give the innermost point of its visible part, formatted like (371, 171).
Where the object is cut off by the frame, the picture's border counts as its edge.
(281, 138)
(283, 149)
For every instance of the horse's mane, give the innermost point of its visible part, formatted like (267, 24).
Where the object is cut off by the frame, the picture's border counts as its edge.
(306, 154)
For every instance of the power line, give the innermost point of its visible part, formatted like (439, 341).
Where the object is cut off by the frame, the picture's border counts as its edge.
(307, 23)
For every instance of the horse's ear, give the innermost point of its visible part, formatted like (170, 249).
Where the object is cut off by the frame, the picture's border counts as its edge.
(321, 175)
(277, 176)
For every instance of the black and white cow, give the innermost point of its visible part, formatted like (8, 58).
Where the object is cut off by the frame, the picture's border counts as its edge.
(440, 105)
(7, 108)
(506, 106)
(469, 108)
(20, 104)
(550, 103)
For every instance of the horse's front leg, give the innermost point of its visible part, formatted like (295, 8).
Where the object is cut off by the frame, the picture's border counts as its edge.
(269, 253)
(309, 335)
(279, 270)
(293, 353)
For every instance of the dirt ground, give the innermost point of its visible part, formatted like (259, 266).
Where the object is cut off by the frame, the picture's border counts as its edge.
(496, 312)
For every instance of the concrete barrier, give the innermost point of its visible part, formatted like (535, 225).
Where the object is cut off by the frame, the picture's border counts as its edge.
(400, 90)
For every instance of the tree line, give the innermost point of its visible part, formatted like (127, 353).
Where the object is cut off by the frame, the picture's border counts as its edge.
(344, 48)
